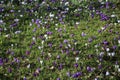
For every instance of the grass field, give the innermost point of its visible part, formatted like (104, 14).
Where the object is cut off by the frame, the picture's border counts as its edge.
(70, 41)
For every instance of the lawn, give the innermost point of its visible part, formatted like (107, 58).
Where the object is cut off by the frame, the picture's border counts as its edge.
(60, 40)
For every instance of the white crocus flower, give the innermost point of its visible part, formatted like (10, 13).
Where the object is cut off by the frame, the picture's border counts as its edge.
(113, 54)
(51, 15)
(39, 47)
(33, 39)
(42, 42)
(107, 49)
(69, 45)
(76, 59)
(67, 3)
(28, 66)
(46, 36)
(117, 66)
(16, 20)
(86, 44)
(49, 54)
(41, 61)
(1, 21)
(5, 29)
(56, 28)
(77, 23)
(17, 32)
(7, 35)
(12, 45)
(119, 41)
(113, 15)
(118, 69)
(107, 73)
(21, 15)
(118, 21)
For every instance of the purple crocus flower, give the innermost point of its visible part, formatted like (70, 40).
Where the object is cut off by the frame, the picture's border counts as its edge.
(61, 45)
(49, 33)
(99, 31)
(76, 65)
(97, 12)
(27, 52)
(60, 66)
(92, 15)
(83, 34)
(1, 9)
(24, 78)
(16, 60)
(9, 70)
(58, 78)
(79, 73)
(68, 74)
(71, 35)
(103, 17)
(34, 74)
(37, 21)
(90, 7)
(89, 69)
(90, 39)
(65, 41)
(33, 43)
(1, 29)
(76, 75)
(107, 5)
(50, 44)
(58, 56)
(67, 51)
(14, 24)
(1, 61)
(34, 29)
(114, 47)
(60, 29)
(99, 66)
(105, 42)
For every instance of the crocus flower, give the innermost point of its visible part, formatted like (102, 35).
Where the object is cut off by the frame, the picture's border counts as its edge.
(34, 29)
(24, 78)
(76, 65)
(61, 45)
(1, 61)
(99, 66)
(90, 39)
(9, 70)
(92, 15)
(83, 34)
(103, 17)
(1, 29)
(65, 41)
(76, 75)
(58, 78)
(27, 52)
(68, 74)
(107, 73)
(49, 33)
(89, 69)
(58, 56)
(37, 21)
(50, 44)
(114, 47)
(105, 42)
(107, 5)
(60, 66)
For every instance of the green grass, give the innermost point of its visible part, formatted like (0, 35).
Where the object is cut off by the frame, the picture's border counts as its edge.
(46, 59)
(24, 40)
